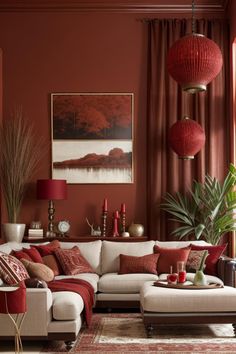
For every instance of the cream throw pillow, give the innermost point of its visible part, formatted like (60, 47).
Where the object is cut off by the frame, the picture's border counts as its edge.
(38, 270)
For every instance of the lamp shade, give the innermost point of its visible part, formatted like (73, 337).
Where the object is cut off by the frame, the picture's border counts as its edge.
(186, 138)
(51, 189)
(194, 61)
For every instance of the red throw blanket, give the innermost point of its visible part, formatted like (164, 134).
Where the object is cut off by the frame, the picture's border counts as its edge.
(79, 286)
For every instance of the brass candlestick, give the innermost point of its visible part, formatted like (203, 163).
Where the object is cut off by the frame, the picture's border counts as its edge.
(122, 222)
(104, 223)
(51, 211)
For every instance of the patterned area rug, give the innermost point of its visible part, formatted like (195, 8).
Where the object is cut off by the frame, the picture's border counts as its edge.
(125, 333)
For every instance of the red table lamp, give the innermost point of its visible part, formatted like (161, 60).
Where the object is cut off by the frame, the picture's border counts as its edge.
(51, 189)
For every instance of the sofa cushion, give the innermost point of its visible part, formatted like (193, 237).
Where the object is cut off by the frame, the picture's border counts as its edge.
(91, 251)
(111, 253)
(214, 254)
(12, 271)
(123, 283)
(91, 278)
(67, 305)
(133, 264)
(169, 258)
(5, 248)
(180, 244)
(72, 261)
(38, 270)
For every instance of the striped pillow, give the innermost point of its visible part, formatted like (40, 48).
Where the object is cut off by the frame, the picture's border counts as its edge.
(12, 271)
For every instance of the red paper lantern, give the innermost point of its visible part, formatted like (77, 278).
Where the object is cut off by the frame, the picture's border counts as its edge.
(194, 61)
(186, 138)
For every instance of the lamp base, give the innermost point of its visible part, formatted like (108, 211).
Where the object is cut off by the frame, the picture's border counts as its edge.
(51, 234)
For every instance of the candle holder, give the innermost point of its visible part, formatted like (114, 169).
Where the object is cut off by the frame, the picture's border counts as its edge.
(122, 219)
(104, 223)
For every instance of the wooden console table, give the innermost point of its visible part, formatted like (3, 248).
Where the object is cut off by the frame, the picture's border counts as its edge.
(87, 239)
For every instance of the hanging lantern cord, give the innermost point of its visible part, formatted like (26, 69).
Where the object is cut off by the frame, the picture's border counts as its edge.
(193, 18)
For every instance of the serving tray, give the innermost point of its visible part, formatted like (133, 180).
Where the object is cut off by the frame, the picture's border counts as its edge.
(187, 285)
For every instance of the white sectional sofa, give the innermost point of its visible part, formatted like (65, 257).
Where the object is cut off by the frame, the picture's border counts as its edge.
(59, 315)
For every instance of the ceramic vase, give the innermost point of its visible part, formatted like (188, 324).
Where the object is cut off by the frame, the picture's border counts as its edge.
(13, 232)
(136, 230)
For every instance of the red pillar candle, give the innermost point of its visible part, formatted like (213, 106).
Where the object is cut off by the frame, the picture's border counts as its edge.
(122, 208)
(105, 205)
(115, 224)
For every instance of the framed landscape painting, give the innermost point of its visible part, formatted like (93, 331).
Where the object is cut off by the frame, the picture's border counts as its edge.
(92, 137)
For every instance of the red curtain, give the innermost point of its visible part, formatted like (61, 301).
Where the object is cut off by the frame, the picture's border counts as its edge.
(166, 103)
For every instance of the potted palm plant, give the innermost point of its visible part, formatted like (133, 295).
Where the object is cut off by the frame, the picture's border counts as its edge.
(207, 211)
(19, 157)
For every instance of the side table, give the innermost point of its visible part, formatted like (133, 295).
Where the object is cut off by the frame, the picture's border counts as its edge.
(13, 303)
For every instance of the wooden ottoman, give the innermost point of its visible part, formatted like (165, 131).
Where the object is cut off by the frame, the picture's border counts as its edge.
(161, 305)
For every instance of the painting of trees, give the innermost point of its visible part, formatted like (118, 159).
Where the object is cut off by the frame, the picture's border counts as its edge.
(92, 116)
(92, 139)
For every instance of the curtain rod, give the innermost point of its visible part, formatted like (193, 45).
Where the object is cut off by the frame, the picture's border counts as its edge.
(151, 19)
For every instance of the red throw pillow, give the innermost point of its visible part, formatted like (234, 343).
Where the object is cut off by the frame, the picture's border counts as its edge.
(21, 254)
(52, 262)
(133, 264)
(12, 271)
(214, 254)
(47, 249)
(169, 257)
(72, 261)
(34, 254)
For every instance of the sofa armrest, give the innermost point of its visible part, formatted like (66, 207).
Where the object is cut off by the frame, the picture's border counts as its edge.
(38, 314)
(226, 268)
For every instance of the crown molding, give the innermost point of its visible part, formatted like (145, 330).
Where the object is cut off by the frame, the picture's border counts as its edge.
(106, 6)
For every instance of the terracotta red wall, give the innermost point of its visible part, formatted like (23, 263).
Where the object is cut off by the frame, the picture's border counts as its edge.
(76, 52)
(71, 52)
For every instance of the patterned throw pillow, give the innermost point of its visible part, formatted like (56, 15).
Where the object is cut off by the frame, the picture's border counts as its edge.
(214, 254)
(12, 271)
(38, 270)
(169, 258)
(133, 264)
(72, 261)
(194, 260)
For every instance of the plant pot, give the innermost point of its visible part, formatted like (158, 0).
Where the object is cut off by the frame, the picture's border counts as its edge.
(13, 232)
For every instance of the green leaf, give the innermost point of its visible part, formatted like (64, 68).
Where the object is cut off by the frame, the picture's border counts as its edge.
(207, 210)
(198, 230)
